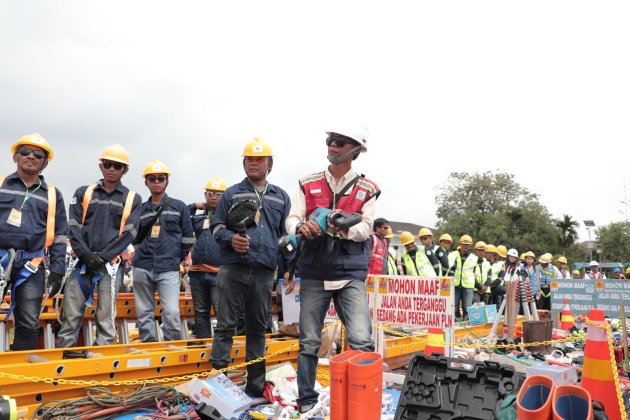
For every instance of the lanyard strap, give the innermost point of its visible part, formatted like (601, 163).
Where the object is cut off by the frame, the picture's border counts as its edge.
(28, 193)
(260, 196)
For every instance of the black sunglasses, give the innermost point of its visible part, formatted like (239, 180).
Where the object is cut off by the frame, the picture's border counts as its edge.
(422, 238)
(340, 141)
(160, 178)
(214, 194)
(115, 165)
(25, 151)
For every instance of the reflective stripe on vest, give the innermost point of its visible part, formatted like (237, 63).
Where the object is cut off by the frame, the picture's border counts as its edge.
(465, 275)
(425, 268)
(87, 197)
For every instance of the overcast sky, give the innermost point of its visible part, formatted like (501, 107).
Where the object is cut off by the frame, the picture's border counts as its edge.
(539, 89)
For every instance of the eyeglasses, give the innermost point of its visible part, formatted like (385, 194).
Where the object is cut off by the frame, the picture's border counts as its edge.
(160, 179)
(424, 238)
(214, 194)
(115, 165)
(25, 151)
(340, 141)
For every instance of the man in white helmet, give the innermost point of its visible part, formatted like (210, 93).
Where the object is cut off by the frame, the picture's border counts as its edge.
(333, 262)
(594, 274)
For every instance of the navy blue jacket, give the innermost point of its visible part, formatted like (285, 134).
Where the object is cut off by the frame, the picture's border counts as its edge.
(263, 246)
(31, 235)
(206, 250)
(175, 239)
(102, 221)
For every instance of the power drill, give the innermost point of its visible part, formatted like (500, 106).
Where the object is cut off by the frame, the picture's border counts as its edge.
(323, 217)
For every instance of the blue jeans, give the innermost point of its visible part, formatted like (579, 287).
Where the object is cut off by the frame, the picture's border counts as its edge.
(465, 297)
(74, 308)
(205, 294)
(145, 284)
(28, 302)
(351, 306)
(249, 288)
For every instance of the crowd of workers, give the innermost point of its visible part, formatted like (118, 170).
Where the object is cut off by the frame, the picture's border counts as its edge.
(479, 272)
(233, 237)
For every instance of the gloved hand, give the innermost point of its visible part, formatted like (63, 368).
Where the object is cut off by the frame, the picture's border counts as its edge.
(93, 262)
(54, 283)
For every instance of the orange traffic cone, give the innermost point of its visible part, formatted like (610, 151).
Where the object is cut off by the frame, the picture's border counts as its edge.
(566, 319)
(365, 386)
(339, 385)
(533, 401)
(435, 341)
(597, 373)
(571, 402)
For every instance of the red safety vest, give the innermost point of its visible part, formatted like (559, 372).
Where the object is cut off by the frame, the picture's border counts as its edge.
(377, 255)
(317, 193)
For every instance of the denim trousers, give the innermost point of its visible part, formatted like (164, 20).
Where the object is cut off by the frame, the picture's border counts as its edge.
(249, 288)
(205, 294)
(74, 308)
(28, 302)
(145, 284)
(465, 297)
(351, 306)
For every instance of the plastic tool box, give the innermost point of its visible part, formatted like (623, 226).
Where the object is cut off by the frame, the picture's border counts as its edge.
(439, 388)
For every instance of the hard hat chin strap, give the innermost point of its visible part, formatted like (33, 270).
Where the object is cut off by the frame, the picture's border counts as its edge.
(336, 159)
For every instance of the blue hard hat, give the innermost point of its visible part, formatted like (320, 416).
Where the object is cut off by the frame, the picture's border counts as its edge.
(617, 270)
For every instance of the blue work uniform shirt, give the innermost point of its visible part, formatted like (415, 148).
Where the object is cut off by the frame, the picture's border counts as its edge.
(100, 232)
(206, 250)
(175, 238)
(263, 245)
(30, 236)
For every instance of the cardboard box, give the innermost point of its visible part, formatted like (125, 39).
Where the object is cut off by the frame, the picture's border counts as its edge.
(561, 375)
(477, 315)
(290, 302)
(491, 313)
(221, 393)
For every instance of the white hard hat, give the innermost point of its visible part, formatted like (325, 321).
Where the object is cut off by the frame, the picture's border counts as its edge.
(358, 133)
(513, 253)
(593, 263)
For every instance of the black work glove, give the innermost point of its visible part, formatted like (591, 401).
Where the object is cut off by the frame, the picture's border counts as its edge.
(93, 262)
(54, 283)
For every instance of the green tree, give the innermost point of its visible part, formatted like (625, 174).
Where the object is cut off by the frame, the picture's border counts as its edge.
(568, 231)
(494, 208)
(614, 241)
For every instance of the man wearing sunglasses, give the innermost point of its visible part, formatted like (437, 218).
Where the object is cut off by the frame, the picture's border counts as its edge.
(248, 223)
(104, 220)
(333, 263)
(26, 201)
(165, 238)
(206, 259)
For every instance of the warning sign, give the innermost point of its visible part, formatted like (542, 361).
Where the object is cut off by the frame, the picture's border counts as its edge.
(415, 301)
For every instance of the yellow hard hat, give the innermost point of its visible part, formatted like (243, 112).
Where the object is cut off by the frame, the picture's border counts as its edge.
(545, 258)
(425, 232)
(389, 234)
(406, 238)
(216, 184)
(466, 240)
(577, 272)
(115, 153)
(529, 254)
(446, 237)
(156, 167)
(257, 147)
(491, 248)
(34, 139)
(480, 245)
(563, 260)
(502, 251)
(628, 270)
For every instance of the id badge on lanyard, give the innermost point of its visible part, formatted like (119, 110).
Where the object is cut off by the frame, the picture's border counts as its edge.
(15, 218)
